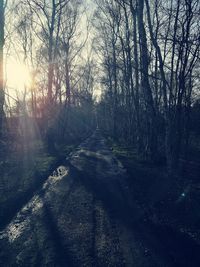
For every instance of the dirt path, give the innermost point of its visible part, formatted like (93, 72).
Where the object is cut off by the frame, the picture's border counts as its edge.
(83, 216)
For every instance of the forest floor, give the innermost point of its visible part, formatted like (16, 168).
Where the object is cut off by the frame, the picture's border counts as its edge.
(96, 211)
(22, 175)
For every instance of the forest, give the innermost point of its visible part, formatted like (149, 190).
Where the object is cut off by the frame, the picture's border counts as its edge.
(100, 130)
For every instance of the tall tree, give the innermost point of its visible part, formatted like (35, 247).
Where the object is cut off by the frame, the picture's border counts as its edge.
(2, 96)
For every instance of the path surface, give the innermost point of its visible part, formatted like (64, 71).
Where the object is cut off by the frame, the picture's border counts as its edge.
(83, 216)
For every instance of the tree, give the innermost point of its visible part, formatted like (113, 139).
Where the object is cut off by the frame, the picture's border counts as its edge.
(156, 53)
(2, 96)
(182, 48)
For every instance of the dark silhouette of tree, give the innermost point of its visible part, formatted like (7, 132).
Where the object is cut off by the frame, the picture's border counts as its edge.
(148, 73)
(2, 96)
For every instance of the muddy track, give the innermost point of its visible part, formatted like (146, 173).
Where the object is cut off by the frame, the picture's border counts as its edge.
(84, 215)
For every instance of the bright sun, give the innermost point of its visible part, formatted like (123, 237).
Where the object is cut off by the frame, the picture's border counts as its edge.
(17, 76)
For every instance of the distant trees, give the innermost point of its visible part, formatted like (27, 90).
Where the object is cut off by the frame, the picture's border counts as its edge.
(52, 39)
(53, 44)
(148, 53)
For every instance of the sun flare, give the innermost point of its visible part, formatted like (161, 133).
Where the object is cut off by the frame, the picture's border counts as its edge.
(17, 76)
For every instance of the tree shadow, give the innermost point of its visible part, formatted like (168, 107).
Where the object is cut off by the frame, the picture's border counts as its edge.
(176, 248)
(62, 256)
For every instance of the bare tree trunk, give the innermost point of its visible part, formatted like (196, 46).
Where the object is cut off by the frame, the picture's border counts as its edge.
(50, 55)
(136, 75)
(67, 82)
(115, 134)
(151, 112)
(2, 95)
